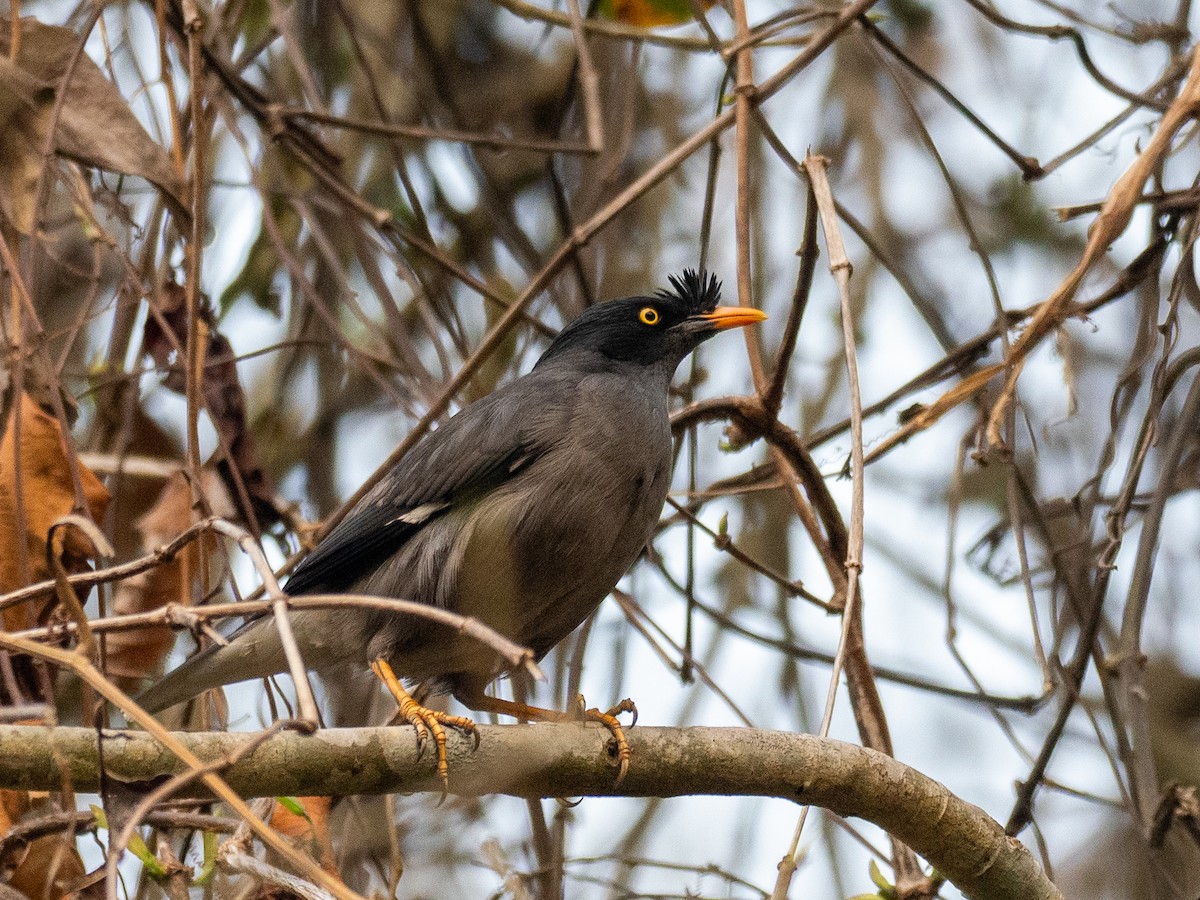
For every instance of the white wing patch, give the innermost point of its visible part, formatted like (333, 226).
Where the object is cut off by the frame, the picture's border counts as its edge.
(422, 513)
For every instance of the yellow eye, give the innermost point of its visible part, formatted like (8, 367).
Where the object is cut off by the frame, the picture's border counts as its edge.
(648, 315)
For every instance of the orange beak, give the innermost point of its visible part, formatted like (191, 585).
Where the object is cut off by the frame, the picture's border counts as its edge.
(724, 317)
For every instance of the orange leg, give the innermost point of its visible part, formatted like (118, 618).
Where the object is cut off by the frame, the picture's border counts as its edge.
(425, 721)
(480, 702)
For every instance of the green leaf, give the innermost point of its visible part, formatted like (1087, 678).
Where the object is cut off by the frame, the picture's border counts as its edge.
(877, 876)
(139, 849)
(887, 890)
(101, 818)
(136, 846)
(210, 860)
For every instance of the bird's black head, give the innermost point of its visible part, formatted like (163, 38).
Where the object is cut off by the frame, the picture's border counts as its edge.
(662, 329)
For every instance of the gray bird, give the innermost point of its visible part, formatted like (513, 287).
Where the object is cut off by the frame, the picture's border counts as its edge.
(524, 510)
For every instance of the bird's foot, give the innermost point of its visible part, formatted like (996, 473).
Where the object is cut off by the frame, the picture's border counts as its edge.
(620, 747)
(426, 721)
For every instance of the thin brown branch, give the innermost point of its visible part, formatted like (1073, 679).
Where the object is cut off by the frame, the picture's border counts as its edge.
(118, 572)
(422, 132)
(725, 544)
(1030, 169)
(772, 395)
(1109, 225)
(1061, 32)
(279, 609)
(177, 616)
(589, 81)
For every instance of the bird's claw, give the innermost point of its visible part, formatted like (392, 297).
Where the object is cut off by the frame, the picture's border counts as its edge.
(583, 714)
(625, 706)
(618, 746)
(431, 721)
(419, 727)
(425, 721)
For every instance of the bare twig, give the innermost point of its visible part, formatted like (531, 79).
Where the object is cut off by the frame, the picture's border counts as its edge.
(283, 625)
(179, 616)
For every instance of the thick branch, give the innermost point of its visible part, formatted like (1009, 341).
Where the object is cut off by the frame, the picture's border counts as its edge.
(959, 839)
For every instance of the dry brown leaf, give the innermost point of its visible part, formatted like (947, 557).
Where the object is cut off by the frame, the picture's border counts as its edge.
(25, 107)
(48, 496)
(96, 127)
(224, 400)
(46, 866)
(49, 864)
(50, 867)
(134, 655)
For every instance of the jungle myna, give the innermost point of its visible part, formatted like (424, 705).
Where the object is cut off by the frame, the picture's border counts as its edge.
(523, 510)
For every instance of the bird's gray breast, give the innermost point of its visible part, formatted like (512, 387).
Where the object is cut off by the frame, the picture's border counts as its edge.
(606, 487)
(534, 557)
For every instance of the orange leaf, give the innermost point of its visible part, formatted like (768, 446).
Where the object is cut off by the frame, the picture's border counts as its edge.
(311, 832)
(48, 496)
(132, 655)
(650, 13)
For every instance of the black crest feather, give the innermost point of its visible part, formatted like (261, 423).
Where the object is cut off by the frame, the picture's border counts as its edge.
(699, 291)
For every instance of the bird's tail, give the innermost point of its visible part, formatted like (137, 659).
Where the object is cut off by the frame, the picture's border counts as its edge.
(254, 652)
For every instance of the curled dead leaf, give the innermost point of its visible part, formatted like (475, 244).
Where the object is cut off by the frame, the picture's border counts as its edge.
(25, 107)
(238, 462)
(32, 446)
(36, 450)
(96, 126)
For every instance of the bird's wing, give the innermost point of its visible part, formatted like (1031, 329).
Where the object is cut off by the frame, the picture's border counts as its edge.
(477, 450)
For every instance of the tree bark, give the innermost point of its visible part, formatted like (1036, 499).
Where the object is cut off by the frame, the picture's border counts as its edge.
(960, 840)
